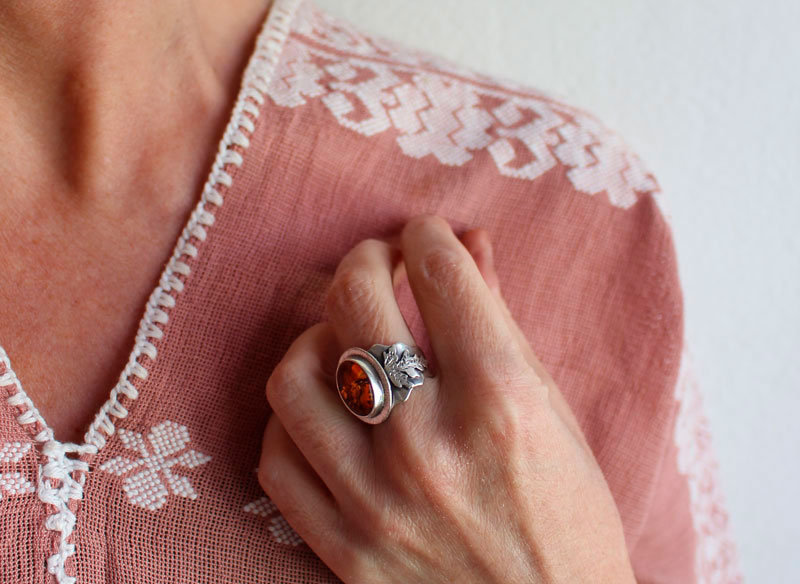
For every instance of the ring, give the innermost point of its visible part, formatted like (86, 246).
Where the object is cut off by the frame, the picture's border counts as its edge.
(371, 382)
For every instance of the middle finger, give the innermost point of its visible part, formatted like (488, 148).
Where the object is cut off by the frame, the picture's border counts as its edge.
(363, 310)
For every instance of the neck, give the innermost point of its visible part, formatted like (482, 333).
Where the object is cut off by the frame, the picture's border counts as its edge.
(90, 91)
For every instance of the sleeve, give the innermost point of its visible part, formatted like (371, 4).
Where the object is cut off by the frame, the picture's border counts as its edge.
(686, 536)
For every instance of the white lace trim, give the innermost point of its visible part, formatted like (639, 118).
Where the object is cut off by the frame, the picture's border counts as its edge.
(56, 484)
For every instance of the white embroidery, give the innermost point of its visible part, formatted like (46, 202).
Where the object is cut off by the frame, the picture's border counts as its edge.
(372, 86)
(57, 487)
(715, 552)
(280, 529)
(151, 484)
(340, 35)
(14, 483)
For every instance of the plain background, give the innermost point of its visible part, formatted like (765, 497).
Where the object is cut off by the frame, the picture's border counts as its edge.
(708, 93)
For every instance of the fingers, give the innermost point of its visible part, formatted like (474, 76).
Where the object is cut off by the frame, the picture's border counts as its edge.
(360, 304)
(297, 491)
(362, 308)
(302, 393)
(479, 245)
(467, 327)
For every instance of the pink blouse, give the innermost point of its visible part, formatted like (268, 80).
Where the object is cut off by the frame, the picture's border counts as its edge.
(337, 136)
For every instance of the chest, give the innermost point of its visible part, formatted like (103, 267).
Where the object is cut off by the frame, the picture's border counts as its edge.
(70, 304)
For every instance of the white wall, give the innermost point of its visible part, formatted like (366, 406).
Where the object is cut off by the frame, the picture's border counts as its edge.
(708, 93)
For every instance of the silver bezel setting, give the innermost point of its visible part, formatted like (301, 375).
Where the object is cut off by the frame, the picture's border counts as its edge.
(379, 382)
(386, 393)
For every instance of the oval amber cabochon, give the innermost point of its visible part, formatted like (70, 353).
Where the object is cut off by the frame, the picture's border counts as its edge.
(355, 388)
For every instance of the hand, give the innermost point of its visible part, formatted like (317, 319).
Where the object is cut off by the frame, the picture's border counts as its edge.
(483, 475)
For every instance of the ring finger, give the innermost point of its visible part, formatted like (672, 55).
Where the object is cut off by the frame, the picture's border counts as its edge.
(301, 396)
(363, 310)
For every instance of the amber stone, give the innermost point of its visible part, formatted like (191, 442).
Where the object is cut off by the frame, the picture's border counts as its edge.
(355, 388)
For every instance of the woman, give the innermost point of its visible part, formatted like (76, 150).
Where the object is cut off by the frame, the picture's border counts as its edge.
(351, 203)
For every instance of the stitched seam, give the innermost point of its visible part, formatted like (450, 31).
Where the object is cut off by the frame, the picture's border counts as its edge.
(56, 484)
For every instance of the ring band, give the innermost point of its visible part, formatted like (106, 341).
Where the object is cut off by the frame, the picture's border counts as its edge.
(371, 382)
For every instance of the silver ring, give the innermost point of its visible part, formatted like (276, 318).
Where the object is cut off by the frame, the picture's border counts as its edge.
(371, 382)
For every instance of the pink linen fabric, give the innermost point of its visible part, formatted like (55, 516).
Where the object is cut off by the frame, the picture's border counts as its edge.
(338, 136)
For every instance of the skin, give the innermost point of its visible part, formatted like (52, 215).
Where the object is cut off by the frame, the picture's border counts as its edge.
(482, 475)
(111, 114)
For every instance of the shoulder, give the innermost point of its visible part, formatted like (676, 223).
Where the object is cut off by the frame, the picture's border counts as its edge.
(548, 180)
(434, 108)
(583, 251)
(582, 243)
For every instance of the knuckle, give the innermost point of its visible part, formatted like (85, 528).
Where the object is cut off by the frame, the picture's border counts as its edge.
(502, 425)
(492, 434)
(499, 372)
(282, 385)
(513, 408)
(515, 372)
(444, 270)
(350, 291)
(354, 299)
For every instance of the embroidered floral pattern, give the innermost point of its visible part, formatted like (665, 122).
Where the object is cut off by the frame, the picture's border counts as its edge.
(13, 483)
(372, 86)
(715, 559)
(280, 529)
(153, 480)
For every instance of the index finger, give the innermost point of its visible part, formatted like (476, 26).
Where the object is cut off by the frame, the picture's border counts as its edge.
(467, 330)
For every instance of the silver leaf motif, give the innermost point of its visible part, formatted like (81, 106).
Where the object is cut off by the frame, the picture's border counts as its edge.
(405, 371)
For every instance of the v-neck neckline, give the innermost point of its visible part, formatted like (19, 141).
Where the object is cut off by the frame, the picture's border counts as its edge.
(184, 256)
